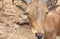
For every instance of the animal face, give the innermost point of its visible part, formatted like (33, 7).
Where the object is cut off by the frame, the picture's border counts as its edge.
(37, 10)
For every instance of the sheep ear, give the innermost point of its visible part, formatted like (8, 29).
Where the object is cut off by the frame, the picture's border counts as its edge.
(26, 1)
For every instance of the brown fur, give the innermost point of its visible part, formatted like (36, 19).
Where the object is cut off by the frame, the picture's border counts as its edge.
(36, 14)
(52, 25)
(49, 24)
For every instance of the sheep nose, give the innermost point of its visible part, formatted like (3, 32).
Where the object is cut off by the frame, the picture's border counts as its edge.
(39, 35)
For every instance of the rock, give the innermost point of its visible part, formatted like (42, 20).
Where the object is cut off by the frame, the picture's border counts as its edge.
(11, 18)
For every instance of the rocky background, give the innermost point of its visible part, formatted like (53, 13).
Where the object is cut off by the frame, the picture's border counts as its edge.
(14, 24)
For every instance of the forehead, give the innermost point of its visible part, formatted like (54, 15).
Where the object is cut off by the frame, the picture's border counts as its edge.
(35, 5)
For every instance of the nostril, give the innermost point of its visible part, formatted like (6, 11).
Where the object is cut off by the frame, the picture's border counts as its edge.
(39, 35)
